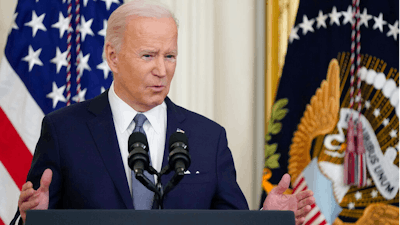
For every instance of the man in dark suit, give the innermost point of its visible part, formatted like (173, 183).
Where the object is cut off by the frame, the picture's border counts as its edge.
(80, 161)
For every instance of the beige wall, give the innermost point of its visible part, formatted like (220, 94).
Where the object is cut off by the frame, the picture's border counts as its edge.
(7, 8)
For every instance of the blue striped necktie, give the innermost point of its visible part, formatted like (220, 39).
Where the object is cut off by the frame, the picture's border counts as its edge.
(142, 197)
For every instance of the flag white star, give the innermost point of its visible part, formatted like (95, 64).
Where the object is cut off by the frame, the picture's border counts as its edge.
(369, 181)
(85, 3)
(385, 122)
(377, 112)
(364, 17)
(62, 24)
(358, 195)
(348, 16)
(321, 20)
(379, 22)
(36, 23)
(109, 2)
(106, 69)
(374, 193)
(80, 97)
(14, 25)
(33, 58)
(103, 31)
(293, 34)
(306, 25)
(83, 63)
(84, 28)
(60, 59)
(367, 104)
(351, 205)
(334, 16)
(57, 94)
(394, 30)
(102, 89)
(393, 133)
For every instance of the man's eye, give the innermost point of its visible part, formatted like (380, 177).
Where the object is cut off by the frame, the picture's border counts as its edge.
(171, 57)
(147, 57)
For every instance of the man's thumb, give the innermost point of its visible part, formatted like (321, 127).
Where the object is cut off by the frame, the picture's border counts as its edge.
(46, 180)
(283, 184)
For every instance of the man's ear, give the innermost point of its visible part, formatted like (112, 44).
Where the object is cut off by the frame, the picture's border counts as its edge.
(111, 57)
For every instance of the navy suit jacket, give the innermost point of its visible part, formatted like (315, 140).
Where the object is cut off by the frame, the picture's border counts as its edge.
(79, 144)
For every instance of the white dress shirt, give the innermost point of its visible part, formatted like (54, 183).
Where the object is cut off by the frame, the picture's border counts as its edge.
(155, 128)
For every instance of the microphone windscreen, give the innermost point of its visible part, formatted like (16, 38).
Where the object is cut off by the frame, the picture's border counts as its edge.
(178, 137)
(136, 137)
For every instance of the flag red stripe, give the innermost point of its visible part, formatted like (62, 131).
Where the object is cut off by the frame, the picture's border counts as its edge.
(14, 154)
(298, 184)
(313, 218)
(1, 221)
(323, 223)
(312, 207)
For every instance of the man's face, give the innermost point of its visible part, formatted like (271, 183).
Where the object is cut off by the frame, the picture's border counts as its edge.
(144, 67)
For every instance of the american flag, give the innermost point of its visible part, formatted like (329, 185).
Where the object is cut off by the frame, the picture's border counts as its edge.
(53, 58)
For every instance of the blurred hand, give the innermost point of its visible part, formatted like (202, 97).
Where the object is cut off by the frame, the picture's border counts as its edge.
(299, 203)
(35, 199)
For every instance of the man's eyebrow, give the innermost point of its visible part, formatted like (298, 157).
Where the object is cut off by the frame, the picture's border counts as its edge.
(154, 51)
(147, 51)
(175, 52)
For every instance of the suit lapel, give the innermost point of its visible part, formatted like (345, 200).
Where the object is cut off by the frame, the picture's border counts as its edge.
(103, 132)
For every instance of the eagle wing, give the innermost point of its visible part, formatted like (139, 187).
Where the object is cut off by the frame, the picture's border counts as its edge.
(319, 118)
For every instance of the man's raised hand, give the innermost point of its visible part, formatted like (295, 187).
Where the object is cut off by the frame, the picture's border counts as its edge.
(299, 203)
(35, 199)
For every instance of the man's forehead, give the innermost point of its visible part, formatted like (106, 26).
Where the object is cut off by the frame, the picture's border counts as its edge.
(151, 34)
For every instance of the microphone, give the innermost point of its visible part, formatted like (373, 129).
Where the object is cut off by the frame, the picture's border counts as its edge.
(179, 158)
(138, 159)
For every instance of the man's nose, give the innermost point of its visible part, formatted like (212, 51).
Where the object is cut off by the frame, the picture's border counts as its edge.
(160, 69)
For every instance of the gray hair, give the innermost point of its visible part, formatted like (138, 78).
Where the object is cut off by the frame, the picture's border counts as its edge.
(118, 19)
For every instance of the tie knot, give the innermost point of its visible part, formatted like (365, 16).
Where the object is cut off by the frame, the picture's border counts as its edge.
(139, 121)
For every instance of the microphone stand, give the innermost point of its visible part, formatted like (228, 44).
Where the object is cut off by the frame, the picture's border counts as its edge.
(158, 189)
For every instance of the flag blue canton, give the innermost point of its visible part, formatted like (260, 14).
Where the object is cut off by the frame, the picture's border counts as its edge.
(37, 49)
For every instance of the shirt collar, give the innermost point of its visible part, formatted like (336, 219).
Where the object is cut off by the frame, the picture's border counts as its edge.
(123, 114)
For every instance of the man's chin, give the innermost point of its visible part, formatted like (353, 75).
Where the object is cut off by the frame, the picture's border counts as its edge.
(158, 100)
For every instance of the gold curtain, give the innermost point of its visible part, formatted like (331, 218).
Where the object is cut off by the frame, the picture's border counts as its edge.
(279, 19)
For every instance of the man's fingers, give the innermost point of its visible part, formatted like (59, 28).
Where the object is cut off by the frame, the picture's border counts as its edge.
(305, 202)
(25, 195)
(46, 180)
(283, 185)
(27, 185)
(304, 194)
(300, 221)
(302, 212)
(32, 203)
